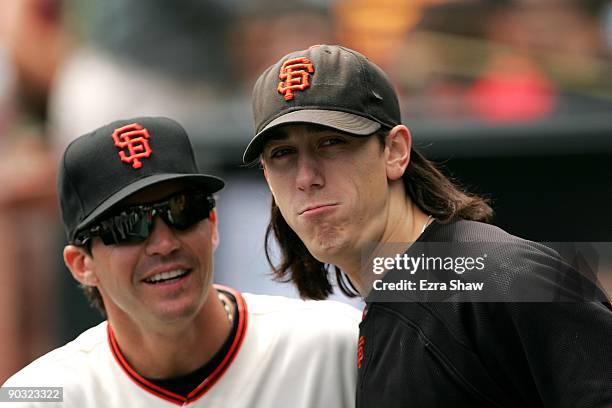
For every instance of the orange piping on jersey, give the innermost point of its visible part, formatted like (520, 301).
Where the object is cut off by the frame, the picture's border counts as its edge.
(217, 373)
(233, 351)
(137, 378)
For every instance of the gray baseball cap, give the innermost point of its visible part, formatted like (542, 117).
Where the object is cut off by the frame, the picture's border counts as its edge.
(327, 85)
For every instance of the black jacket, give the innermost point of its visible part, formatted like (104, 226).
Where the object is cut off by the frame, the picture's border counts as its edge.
(486, 354)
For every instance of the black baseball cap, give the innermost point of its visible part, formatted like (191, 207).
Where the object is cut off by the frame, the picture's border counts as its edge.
(328, 85)
(101, 168)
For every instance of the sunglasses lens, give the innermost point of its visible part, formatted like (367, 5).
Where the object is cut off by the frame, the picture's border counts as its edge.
(135, 224)
(127, 227)
(185, 210)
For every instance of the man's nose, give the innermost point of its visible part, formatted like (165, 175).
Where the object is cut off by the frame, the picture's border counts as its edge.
(163, 239)
(309, 172)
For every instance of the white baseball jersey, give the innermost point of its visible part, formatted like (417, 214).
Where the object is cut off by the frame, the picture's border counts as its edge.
(286, 353)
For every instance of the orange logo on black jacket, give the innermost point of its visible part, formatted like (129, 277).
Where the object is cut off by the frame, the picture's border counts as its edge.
(135, 138)
(295, 76)
(360, 351)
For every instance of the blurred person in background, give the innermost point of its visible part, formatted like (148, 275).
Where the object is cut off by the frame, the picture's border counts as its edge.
(265, 29)
(33, 44)
(158, 59)
(141, 224)
(546, 62)
(505, 62)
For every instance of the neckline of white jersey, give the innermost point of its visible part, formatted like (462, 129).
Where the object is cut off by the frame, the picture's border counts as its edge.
(214, 376)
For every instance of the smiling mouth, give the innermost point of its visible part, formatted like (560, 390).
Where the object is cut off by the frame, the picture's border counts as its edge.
(167, 277)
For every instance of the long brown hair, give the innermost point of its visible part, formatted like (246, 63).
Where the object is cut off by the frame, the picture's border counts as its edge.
(432, 191)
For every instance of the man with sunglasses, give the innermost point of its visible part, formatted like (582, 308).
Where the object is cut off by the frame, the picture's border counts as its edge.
(142, 231)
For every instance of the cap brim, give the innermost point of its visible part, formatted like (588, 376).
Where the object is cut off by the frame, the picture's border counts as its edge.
(210, 184)
(343, 121)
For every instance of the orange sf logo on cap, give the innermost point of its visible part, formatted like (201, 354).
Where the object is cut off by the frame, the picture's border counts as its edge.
(134, 137)
(295, 76)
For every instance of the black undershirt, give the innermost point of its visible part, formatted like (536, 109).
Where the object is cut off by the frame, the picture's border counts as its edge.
(184, 384)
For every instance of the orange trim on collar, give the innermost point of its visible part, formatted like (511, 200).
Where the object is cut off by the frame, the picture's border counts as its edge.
(209, 381)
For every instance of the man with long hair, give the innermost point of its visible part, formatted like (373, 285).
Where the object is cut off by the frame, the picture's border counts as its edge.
(345, 179)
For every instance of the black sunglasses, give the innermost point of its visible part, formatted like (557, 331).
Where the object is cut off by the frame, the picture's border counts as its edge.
(135, 223)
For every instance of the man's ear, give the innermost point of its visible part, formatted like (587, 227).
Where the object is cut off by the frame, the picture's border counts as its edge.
(265, 173)
(397, 151)
(81, 265)
(262, 164)
(214, 233)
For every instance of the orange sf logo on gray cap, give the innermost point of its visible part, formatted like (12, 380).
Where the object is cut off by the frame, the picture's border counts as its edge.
(294, 75)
